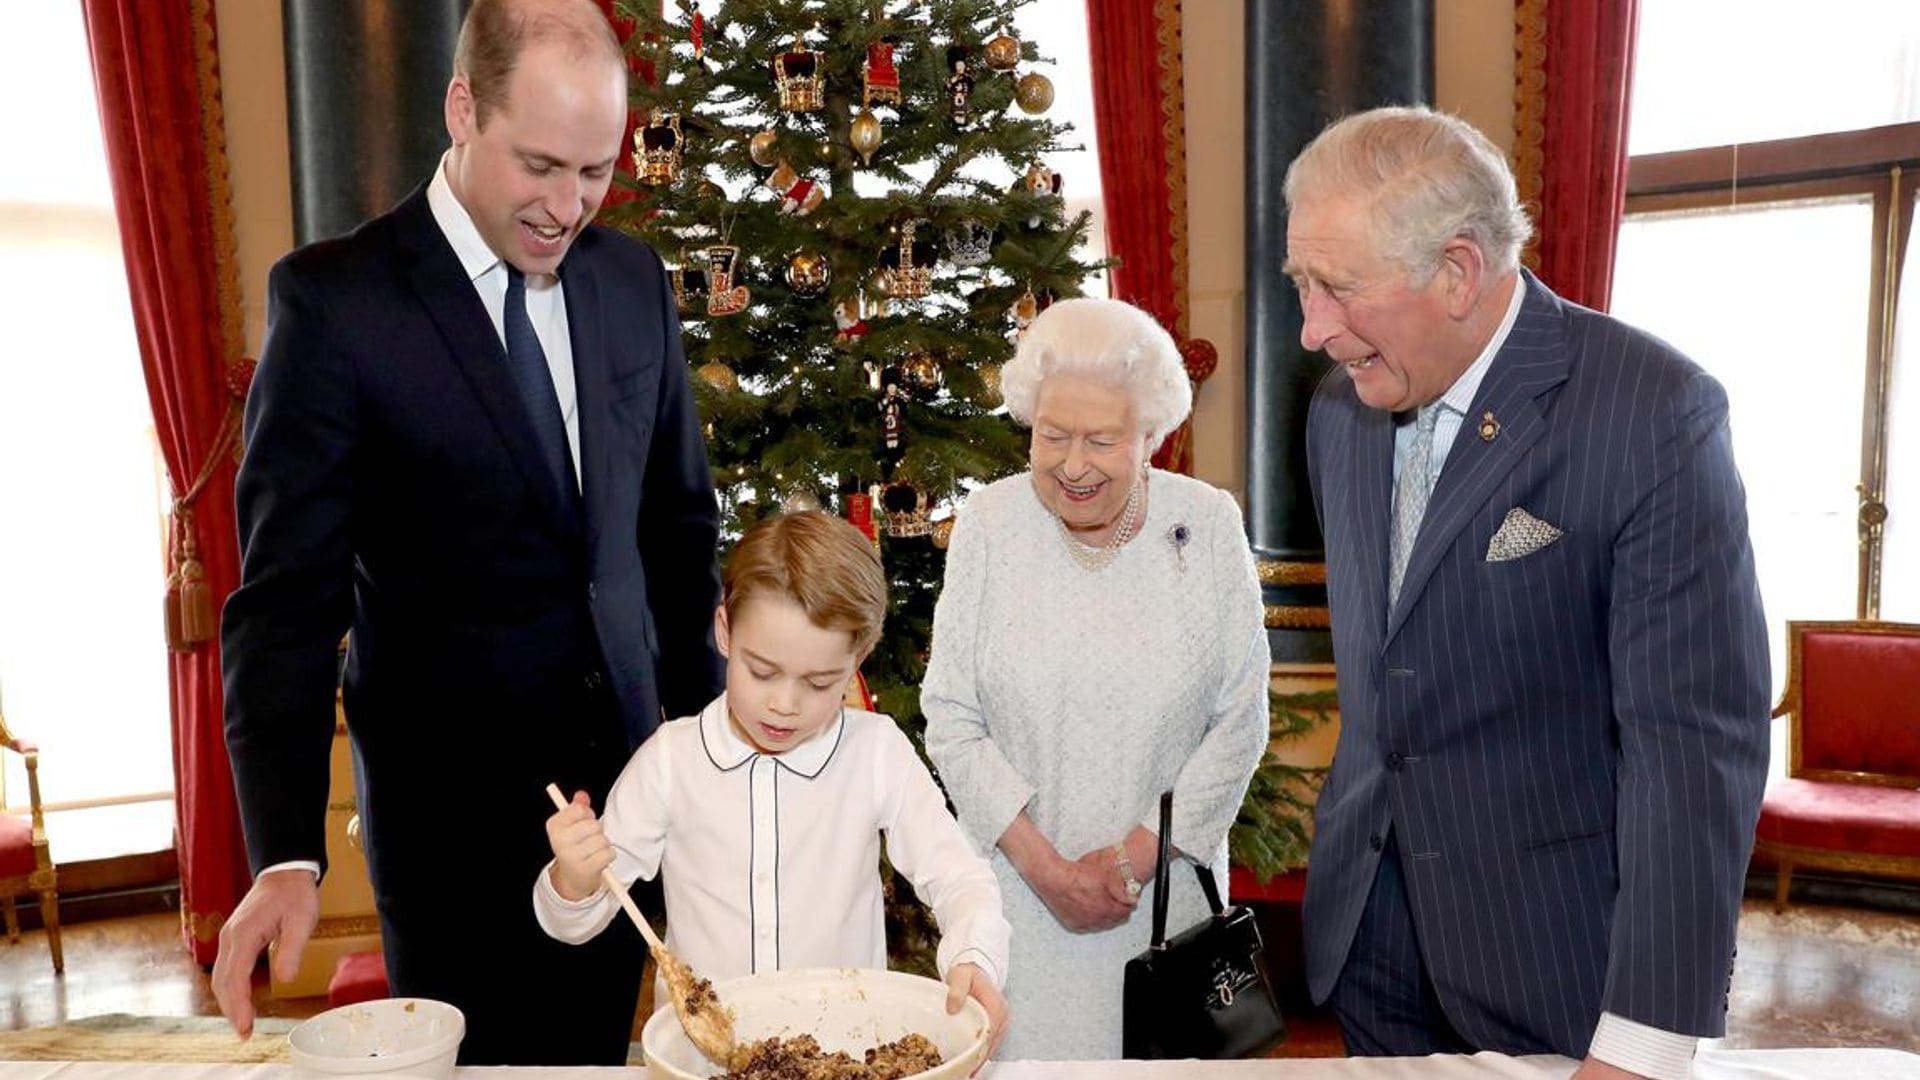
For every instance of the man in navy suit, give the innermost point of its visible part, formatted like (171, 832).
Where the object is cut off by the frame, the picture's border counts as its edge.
(1552, 661)
(470, 441)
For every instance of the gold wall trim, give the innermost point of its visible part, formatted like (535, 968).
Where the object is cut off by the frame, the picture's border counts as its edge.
(1275, 572)
(339, 926)
(1298, 617)
(1530, 115)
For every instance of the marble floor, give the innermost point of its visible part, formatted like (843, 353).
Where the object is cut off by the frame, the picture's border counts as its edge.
(1822, 974)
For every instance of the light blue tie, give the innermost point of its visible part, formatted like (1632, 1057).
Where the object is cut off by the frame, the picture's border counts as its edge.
(528, 362)
(1410, 496)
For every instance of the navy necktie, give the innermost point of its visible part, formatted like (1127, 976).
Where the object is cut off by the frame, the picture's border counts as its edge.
(528, 362)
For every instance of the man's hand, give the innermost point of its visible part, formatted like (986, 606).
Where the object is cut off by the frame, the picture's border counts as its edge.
(281, 909)
(1595, 1069)
(580, 849)
(968, 981)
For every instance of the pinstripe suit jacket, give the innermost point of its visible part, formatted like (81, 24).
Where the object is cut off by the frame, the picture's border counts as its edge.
(1570, 747)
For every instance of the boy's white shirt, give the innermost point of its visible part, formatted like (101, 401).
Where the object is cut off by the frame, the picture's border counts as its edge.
(772, 862)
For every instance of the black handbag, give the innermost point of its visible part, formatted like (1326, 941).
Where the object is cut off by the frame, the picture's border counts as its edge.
(1201, 993)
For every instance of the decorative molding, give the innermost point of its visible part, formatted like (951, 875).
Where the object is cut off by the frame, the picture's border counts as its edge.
(1297, 617)
(1530, 115)
(339, 926)
(1274, 572)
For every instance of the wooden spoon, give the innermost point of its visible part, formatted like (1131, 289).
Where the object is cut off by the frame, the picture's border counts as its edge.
(708, 1023)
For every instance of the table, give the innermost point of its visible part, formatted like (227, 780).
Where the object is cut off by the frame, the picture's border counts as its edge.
(1808, 1064)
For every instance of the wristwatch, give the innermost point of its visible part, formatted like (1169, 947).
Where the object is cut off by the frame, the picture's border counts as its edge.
(1125, 865)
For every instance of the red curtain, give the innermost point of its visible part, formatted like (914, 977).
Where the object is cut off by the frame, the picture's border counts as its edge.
(1139, 108)
(1573, 83)
(157, 79)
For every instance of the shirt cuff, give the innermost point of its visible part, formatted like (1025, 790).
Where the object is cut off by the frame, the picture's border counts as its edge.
(978, 958)
(308, 865)
(1638, 1048)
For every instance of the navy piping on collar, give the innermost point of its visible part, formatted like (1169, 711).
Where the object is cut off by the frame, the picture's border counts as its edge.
(838, 737)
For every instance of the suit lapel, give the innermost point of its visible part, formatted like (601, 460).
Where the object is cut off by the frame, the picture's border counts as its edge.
(449, 297)
(1372, 452)
(591, 378)
(1531, 362)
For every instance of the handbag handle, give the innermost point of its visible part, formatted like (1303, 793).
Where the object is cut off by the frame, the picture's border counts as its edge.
(1160, 876)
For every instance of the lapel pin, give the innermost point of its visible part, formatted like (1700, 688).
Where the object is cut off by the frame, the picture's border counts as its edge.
(1489, 427)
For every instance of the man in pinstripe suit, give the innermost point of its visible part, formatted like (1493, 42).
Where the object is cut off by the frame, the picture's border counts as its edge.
(1552, 658)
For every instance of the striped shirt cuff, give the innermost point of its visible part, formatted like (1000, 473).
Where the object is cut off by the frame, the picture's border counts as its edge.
(1637, 1048)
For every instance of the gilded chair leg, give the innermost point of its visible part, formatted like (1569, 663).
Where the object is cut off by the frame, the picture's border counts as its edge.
(1782, 881)
(13, 922)
(50, 915)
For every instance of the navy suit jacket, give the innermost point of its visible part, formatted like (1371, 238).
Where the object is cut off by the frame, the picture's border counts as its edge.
(1569, 747)
(392, 484)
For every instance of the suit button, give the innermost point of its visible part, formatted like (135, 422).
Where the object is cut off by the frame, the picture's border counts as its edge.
(1395, 761)
(1375, 842)
(593, 681)
(593, 591)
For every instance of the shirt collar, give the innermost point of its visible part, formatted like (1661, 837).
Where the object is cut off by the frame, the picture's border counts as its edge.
(728, 751)
(476, 258)
(1459, 397)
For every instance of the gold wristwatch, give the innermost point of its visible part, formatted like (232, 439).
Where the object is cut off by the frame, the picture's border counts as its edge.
(1125, 865)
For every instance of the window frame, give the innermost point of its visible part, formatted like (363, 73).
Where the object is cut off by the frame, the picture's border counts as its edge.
(1880, 162)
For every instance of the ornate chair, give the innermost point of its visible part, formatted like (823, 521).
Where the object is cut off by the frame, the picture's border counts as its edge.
(1851, 799)
(25, 865)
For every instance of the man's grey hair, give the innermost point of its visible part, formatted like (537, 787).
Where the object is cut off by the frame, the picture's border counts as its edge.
(1426, 178)
(1107, 341)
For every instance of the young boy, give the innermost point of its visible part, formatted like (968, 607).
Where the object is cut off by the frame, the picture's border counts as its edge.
(764, 812)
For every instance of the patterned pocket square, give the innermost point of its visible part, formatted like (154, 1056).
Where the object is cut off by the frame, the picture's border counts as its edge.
(1520, 535)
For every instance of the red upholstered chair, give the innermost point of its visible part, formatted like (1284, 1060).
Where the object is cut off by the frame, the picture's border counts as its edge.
(358, 977)
(25, 864)
(1851, 800)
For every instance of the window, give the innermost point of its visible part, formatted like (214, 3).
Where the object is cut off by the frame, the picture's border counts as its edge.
(82, 657)
(1770, 198)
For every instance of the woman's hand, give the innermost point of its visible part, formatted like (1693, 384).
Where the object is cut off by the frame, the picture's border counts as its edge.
(1082, 894)
(580, 849)
(1075, 891)
(968, 981)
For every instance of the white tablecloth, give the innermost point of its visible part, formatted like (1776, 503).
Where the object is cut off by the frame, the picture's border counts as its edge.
(1850, 1064)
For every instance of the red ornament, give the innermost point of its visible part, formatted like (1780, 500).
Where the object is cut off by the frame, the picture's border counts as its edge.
(860, 513)
(1200, 357)
(240, 376)
(698, 33)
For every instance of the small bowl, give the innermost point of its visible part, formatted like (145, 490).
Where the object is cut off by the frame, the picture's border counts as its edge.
(417, 1037)
(846, 1009)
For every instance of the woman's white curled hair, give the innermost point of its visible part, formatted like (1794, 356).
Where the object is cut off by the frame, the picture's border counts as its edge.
(1108, 341)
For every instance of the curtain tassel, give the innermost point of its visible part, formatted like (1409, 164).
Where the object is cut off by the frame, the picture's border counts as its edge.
(189, 604)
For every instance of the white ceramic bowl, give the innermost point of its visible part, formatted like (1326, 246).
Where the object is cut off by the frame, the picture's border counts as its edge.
(847, 1009)
(412, 1036)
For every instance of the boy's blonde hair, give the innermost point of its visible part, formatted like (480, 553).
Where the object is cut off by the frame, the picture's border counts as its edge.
(818, 561)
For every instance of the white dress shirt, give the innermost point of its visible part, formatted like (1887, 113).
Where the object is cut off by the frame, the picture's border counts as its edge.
(772, 862)
(1618, 1041)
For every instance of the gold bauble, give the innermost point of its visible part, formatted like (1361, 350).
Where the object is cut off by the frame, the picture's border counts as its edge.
(707, 189)
(801, 502)
(764, 149)
(1034, 92)
(808, 273)
(1003, 52)
(864, 135)
(718, 375)
(943, 533)
(990, 380)
(922, 371)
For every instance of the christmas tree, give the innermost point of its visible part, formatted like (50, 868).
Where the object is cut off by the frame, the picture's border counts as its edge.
(851, 196)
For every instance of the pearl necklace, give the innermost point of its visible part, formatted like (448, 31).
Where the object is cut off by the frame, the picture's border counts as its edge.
(1096, 559)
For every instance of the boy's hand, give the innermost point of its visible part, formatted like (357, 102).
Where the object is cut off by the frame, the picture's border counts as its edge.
(968, 981)
(580, 849)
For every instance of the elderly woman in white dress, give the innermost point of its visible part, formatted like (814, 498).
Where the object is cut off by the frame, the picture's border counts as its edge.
(1098, 641)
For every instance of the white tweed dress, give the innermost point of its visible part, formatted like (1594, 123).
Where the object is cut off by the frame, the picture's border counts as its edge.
(1079, 696)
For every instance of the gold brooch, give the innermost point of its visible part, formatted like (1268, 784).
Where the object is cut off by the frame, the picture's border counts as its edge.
(1489, 427)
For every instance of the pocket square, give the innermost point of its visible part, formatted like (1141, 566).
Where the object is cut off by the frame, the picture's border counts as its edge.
(1520, 535)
